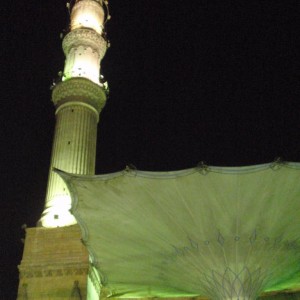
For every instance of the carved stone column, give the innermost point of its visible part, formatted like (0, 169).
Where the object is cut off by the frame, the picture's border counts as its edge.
(79, 102)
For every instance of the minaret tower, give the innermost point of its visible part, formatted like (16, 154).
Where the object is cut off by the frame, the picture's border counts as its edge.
(55, 263)
(79, 99)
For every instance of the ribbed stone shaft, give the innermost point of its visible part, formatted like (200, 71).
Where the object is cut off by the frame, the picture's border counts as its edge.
(79, 102)
(74, 145)
(74, 151)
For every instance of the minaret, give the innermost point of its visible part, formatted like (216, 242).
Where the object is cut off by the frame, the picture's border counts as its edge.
(78, 99)
(55, 263)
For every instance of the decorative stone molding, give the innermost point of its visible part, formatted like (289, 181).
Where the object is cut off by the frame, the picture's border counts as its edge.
(59, 271)
(79, 89)
(85, 37)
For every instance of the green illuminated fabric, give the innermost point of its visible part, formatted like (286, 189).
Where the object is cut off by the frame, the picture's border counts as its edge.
(225, 233)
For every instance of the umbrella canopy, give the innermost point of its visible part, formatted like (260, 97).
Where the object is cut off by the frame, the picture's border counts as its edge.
(225, 233)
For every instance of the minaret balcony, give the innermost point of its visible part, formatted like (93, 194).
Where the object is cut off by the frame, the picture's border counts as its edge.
(79, 90)
(84, 50)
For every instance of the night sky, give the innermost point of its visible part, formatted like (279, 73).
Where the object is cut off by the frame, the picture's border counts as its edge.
(190, 81)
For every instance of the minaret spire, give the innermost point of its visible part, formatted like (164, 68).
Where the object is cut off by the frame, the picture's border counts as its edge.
(79, 99)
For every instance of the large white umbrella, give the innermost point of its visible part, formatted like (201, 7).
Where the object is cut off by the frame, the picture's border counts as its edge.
(224, 233)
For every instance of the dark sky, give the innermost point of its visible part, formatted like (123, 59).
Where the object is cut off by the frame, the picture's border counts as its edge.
(190, 81)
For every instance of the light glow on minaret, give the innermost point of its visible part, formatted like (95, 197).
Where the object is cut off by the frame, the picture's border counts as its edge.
(79, 99)
(87, 14)
(83, 56)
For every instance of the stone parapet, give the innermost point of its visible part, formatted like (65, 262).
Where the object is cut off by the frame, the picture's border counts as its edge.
(85, 37)
(79, 89)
